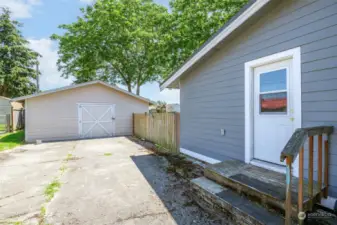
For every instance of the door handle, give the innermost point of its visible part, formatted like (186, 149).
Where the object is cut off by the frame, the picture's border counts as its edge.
(113, 118)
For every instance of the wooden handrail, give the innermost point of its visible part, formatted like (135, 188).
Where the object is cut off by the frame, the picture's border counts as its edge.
(298, 138)
(293, 148)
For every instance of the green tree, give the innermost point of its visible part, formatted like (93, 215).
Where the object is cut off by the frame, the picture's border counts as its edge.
(17, 73)
(160, 106)
(192, 22)
(117, 41)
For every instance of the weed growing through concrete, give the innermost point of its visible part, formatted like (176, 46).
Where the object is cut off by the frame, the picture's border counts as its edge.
(42, 215)
(161, 149)
(43, 211)
(69, 157)
(52, 188)
(107, 154)
(63, 169)
(15, 223)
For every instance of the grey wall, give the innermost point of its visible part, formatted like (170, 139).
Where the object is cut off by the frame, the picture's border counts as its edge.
(5, 108)
(212, 94)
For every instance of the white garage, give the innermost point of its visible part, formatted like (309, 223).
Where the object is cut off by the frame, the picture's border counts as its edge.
(88, 110)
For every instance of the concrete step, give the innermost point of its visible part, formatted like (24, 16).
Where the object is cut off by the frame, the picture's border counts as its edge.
(213, 197)
(266, 187)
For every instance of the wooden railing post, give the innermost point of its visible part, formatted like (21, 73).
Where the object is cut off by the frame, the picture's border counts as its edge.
(326, 168)
(300, 187)
(288, 206)
(320, 167)
(292, 149)
(311, 169)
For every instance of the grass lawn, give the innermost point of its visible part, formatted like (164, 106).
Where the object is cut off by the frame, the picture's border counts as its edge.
(11, 140)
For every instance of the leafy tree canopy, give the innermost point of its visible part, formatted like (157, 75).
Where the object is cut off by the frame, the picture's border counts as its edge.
(17, 73)
(192, 23)
(132, 42)
(117, 41)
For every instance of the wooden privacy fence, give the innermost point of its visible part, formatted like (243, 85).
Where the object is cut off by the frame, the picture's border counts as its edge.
(160, 128)
(18, 119)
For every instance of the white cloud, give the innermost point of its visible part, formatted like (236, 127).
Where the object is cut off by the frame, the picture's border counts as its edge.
(170, 96)
(50, 76)
(20, 8)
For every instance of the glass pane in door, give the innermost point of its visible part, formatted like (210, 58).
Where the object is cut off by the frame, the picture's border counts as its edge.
(273, 81)
(273, 102)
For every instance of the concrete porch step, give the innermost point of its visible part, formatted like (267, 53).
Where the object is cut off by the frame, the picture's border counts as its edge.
(258, 184)
(212, 196)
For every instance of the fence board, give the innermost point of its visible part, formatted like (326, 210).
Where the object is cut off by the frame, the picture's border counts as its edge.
(159, 128)
(18, 121)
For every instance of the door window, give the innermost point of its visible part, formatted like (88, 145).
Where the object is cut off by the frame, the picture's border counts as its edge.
(273, 92)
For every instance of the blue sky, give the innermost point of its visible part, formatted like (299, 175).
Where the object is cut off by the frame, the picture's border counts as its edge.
(40, 20)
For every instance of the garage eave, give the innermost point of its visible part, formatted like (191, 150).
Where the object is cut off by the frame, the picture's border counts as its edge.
(21, 99)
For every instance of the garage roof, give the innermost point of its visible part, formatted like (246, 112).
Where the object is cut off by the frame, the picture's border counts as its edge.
(5, 97)
(77, 86)
(252, 7)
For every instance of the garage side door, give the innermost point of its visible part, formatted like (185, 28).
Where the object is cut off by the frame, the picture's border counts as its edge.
(96, 120)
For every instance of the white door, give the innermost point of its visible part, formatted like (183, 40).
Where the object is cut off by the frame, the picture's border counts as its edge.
(273, 110)
(96, 120)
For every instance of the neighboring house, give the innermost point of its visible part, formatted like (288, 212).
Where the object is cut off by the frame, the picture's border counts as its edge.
(87, 110)
(172, 108)
(5, 105)
(5, 109)
(270, 70)
(152, 109)
(18, 118)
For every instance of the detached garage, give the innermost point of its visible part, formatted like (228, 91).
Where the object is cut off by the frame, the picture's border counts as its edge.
(88, 110)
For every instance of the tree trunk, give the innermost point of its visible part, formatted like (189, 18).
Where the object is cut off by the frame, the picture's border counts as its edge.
(138, 89)
(129, 88)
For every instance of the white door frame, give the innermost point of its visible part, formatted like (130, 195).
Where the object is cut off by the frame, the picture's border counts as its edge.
(295, 55)
(79, 111)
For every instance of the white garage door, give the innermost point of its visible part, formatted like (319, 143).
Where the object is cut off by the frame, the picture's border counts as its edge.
(96, 120)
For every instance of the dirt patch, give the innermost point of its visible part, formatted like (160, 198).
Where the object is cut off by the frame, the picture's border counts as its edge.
(181, 166)
(184, 168)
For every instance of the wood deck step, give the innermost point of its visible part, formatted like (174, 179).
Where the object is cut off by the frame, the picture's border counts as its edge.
(212, 196)
(261, 185)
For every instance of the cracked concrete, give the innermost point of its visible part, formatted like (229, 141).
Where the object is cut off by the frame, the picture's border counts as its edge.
(130, 186)
(24, 173)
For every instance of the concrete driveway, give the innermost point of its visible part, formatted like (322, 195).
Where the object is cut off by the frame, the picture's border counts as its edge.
(103, 181)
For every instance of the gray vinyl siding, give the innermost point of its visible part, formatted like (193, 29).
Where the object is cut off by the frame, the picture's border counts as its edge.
(212, 94)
